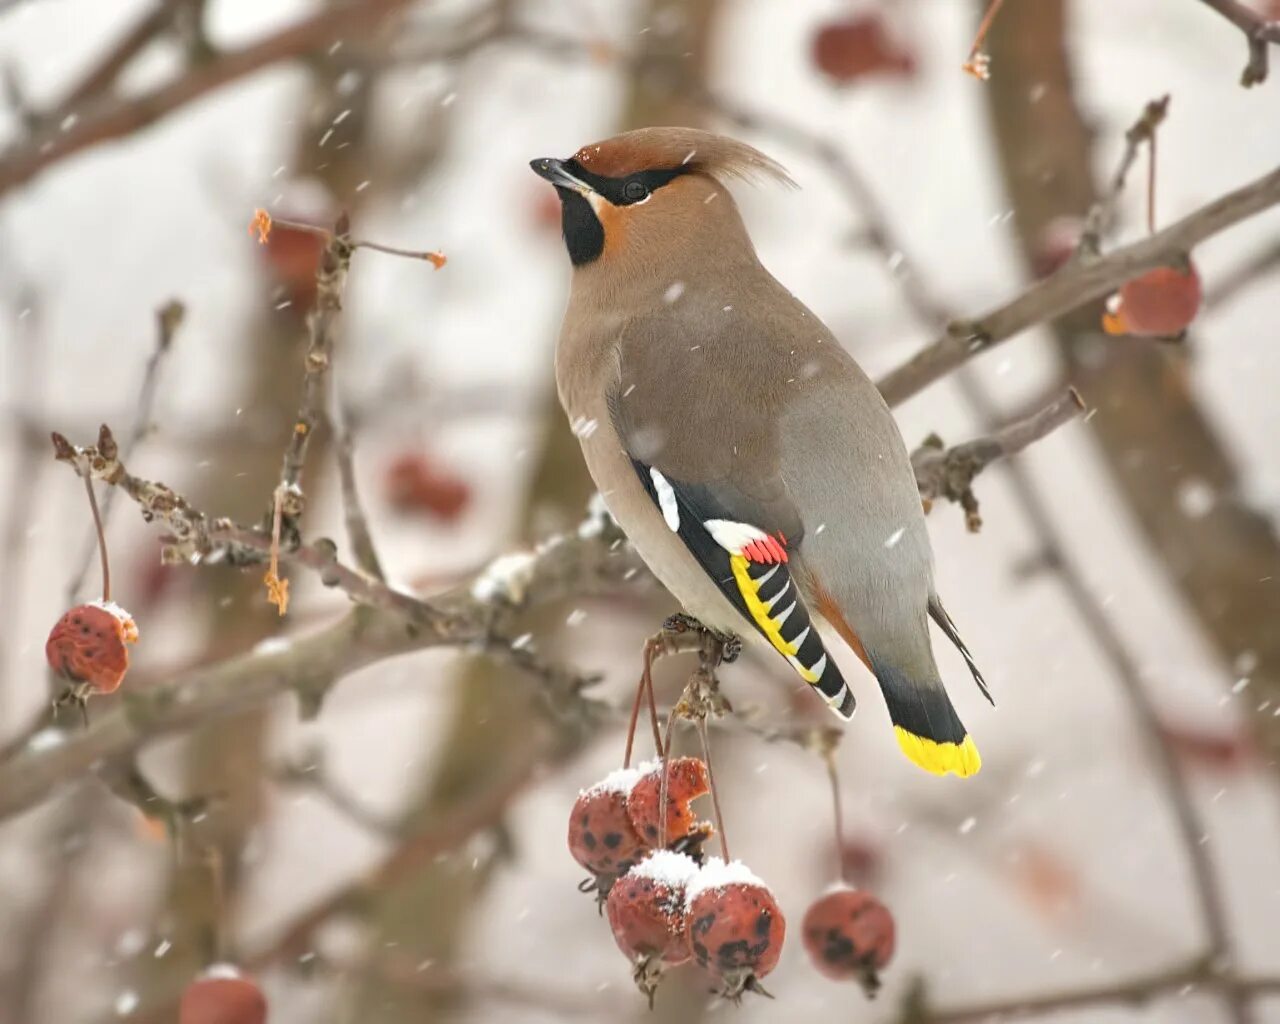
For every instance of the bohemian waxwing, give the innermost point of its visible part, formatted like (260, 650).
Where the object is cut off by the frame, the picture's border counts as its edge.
(751, 462)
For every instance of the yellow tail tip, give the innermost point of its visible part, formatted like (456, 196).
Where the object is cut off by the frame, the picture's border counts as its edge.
(940, 758)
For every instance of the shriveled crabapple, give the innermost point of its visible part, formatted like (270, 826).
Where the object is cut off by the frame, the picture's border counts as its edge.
(646, 912)
(223, 995)
(734, 927)
(88, 647)
(686, 781)
(601, 836)
(849, 935)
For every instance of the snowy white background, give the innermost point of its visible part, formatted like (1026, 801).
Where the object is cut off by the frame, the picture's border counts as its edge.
(111, 234)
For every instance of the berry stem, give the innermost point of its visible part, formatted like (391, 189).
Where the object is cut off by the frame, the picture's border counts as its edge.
(833, 777)
(711, 784)
(976, 64)
(643, 688)
(1151, 184)
(102, 538)
(664, 752)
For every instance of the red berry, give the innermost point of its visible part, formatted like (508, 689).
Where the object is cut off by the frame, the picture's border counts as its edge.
(415, 483)
(849, 934)
(601, 837)
(87, 645)
(686, 781)
(293, 255)
(853, 48)
(1159, 304)
(223, 996)
(1056, 245)
(646, 912)
(734, 925)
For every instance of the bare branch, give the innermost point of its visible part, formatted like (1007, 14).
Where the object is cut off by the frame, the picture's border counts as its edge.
(949, 472)
(1258, 33)
(331, 23)
(1136, 991)
(466, 615)
(1075, 285)
(331, 278)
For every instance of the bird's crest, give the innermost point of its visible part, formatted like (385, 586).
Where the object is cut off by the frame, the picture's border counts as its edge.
(666, 148)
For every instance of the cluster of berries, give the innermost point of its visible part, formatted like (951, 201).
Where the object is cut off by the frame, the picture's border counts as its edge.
(669, 905)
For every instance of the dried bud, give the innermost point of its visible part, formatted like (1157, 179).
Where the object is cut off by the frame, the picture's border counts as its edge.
(849, 934)
(734, 926)
(87, 645)
(222, 995)
(63, 450)
(686, 780)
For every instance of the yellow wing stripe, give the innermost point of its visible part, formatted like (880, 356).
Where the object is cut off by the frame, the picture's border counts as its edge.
(769, 626)
(940, 758)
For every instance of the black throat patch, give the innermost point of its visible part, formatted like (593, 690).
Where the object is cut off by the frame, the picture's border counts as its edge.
(583, 233)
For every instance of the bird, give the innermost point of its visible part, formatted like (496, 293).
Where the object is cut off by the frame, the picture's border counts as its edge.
(750, 461)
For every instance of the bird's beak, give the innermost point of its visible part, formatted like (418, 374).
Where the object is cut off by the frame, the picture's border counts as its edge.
(553, 170)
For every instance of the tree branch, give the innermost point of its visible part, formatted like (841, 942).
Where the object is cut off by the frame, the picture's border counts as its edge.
(331, 23)
(1075, 285)
(465, 615)
(1137, 991)
(1258, 33)
(949, 472)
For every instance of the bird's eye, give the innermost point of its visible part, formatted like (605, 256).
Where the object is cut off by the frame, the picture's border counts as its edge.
(633, 191)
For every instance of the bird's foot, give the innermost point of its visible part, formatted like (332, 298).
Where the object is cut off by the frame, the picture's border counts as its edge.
(728, 644)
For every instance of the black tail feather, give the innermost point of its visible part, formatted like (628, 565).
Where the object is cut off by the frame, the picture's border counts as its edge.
(940, 616)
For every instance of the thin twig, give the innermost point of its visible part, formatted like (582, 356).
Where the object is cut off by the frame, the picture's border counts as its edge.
(358, 532)
(168, 319)
(1102, 214)
(1258, 33)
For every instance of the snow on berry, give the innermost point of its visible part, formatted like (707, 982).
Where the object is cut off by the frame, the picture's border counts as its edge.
(1158, 304)
(601, 836)
(222, 995)
(686, 781)
(646, 912)
(849, 934)
(87, 645)
(734, 927)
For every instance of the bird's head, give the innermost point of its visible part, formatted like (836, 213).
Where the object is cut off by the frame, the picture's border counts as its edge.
(653, 195)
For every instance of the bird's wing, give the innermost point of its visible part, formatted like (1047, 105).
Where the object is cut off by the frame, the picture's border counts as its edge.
(715, 479)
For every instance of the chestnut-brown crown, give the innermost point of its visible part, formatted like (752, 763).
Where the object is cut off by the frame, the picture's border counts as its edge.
(665, 148)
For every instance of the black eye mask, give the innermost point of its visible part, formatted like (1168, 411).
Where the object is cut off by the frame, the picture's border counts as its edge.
(633, 188)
